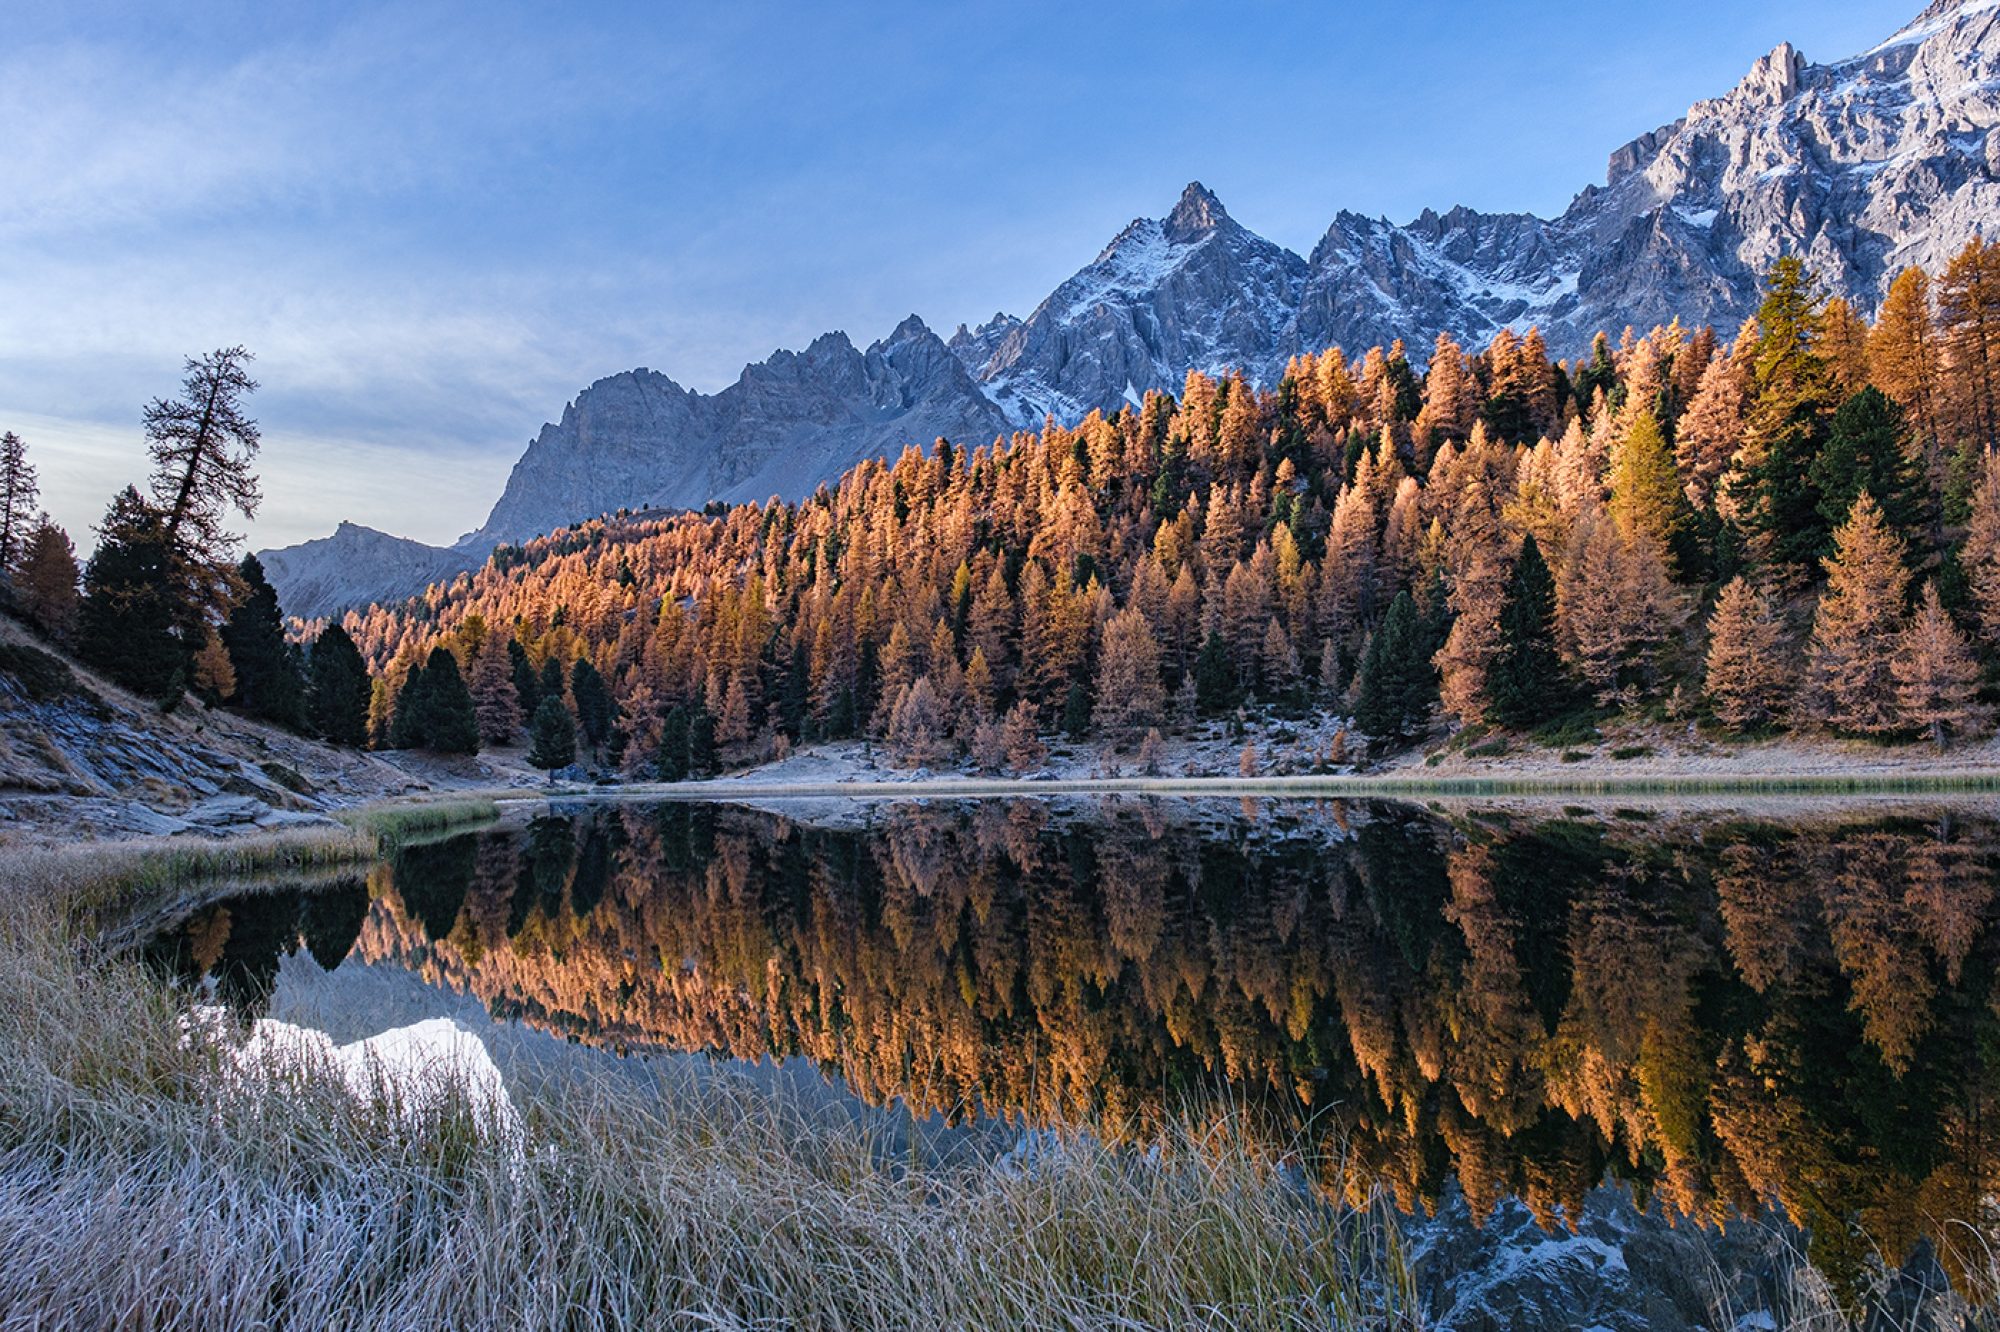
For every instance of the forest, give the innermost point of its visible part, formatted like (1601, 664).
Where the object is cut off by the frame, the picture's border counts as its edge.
(1792, 525)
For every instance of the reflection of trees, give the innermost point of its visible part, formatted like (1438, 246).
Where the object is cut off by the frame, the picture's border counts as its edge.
(1725, 1016)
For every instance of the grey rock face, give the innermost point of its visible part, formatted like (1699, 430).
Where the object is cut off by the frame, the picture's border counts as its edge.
(354, 566)
(1192, 291)
(639, 440)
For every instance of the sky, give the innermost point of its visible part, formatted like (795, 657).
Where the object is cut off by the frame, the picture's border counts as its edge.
(434, 223)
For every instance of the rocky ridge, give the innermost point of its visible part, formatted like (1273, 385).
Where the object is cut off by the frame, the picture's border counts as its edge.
(1886, 159)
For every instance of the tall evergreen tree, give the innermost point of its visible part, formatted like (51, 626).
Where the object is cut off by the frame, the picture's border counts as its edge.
(132, 625)
(1866, 450)
(1793, 400)
(267, 682)
(595, 711)
(338, 689)
(527, 689)
(671, 763)
(551, 737)
(410, 724)
(452, 721)
(1525, 684)
(18, 490)
(1398, 682)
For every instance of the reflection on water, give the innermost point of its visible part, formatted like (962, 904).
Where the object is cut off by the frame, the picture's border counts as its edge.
(1722, 1014)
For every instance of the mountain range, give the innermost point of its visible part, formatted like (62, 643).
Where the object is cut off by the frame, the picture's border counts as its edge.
(1885, 160)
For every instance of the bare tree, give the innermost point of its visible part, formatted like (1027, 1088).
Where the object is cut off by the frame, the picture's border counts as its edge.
(202, 446)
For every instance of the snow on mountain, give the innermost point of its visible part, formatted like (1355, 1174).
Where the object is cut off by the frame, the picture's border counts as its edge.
(1887, 159)
(1192, 291)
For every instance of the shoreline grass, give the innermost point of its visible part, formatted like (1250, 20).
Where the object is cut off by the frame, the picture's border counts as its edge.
(146, 1182)
(1932, 783)
(402, 820)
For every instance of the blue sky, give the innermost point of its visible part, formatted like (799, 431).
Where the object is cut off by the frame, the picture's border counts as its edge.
(435, 222)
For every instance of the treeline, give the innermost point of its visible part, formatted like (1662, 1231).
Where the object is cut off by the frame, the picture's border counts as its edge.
(1796, 526)
(163, 608)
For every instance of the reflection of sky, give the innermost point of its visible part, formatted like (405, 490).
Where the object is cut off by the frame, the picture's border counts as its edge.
(358, 1000)
(435, 222)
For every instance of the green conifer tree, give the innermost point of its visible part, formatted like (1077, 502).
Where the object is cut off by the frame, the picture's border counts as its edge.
(1789, 415)
(1865, 451)
(133, 624)
(452, 720)
(1525, 683)
(551, 737)
(595, 710)
(268, 683)
(338, 689)
(1398, 681)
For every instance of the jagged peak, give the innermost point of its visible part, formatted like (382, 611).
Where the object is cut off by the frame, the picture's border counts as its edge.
(1774, 79)
(912, 329)
(1197, 214)
(1935, 19)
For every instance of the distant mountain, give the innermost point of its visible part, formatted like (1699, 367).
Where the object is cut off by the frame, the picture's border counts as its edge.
(357, 565)
(639, 440)
(1875, 163)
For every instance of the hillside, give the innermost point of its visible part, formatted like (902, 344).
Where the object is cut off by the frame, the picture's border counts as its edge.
(82, 759)
(1862, 166)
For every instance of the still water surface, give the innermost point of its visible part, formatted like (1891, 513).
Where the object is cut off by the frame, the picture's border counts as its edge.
(1721, 1012)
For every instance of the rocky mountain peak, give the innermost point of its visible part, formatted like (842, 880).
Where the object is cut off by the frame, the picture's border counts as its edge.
(1862, 167)
(1772, 81)
(1197, 214)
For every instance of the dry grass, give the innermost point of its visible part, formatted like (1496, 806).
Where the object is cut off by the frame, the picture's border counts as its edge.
(405, 819)
(142, 1185)
(92, 882)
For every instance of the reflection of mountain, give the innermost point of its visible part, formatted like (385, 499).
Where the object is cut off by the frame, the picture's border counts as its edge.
(1727, 1017)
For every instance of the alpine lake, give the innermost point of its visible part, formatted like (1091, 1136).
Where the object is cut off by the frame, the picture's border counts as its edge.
(1516, 1019)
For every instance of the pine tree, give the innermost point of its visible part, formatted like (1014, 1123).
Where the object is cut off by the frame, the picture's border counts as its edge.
(410, 724)
(18, 490)
(339, 689)
(267, 683)
(527, 688)
(1129, 693)
(1937, 679)
(1865, 451)
(452, 722)
(552, 738)
(1794, 398)
(1398, 684)
(45, 580)
(1855, 631)
(1214, 677)
(1749, 670)
(595, 710)
(202, 446)
(132, 625)
(495, 698)
(1525, 684)
(671, 763)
